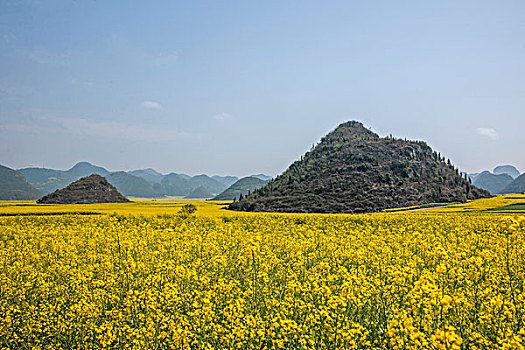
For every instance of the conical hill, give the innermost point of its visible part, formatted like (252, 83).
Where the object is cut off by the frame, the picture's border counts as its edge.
(90, 189)
(353, 170)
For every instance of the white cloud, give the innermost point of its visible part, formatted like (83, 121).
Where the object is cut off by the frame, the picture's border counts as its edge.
(222, 116)
(122, 47)
(104, 129)
(30, 128)
(44, 57)
(9, 37)
(151, 105)
(488, 132)
(82, 82)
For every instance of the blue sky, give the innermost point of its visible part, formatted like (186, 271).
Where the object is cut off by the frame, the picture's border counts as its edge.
(242, 87)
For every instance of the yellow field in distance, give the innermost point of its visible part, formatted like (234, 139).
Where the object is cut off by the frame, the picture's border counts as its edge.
(211, 208)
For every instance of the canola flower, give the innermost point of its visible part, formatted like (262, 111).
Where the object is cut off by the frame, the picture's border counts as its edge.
(382, 281)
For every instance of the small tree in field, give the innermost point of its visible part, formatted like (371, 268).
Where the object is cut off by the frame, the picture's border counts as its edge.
(188, 209)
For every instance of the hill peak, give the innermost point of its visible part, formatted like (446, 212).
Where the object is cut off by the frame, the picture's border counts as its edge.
(352, 130)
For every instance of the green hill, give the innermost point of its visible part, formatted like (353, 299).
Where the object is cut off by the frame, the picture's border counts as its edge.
(14, 186)
(130, 185)
(353, 170)
(175, 185)
(199, 193)
(243, 186)
(516, 186)
(211, 185)
(491, 182)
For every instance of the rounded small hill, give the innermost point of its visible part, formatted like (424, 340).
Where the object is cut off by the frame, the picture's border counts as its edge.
(353, 170)
(90, 189)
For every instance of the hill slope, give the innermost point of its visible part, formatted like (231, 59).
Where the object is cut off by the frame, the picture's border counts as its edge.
(492, 183)
(516, 186)
(352, 169)
(14, 186)
(90, 189)
(243, 186)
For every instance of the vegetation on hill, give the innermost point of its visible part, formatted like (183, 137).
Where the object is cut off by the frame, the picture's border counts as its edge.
(90, 189)
(491, 182)
(353, 170)
(242, 187)
(14, 186)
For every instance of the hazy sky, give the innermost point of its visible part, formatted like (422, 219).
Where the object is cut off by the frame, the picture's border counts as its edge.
(243, 87)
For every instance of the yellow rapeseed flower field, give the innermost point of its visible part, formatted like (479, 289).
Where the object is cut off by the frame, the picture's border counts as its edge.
(141, 276)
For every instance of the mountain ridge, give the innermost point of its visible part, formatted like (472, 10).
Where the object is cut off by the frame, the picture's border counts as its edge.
(156, 184)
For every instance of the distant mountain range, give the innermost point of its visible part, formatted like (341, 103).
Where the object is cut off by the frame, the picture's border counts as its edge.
(145, 183)
(504, 179)
(33, 183)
